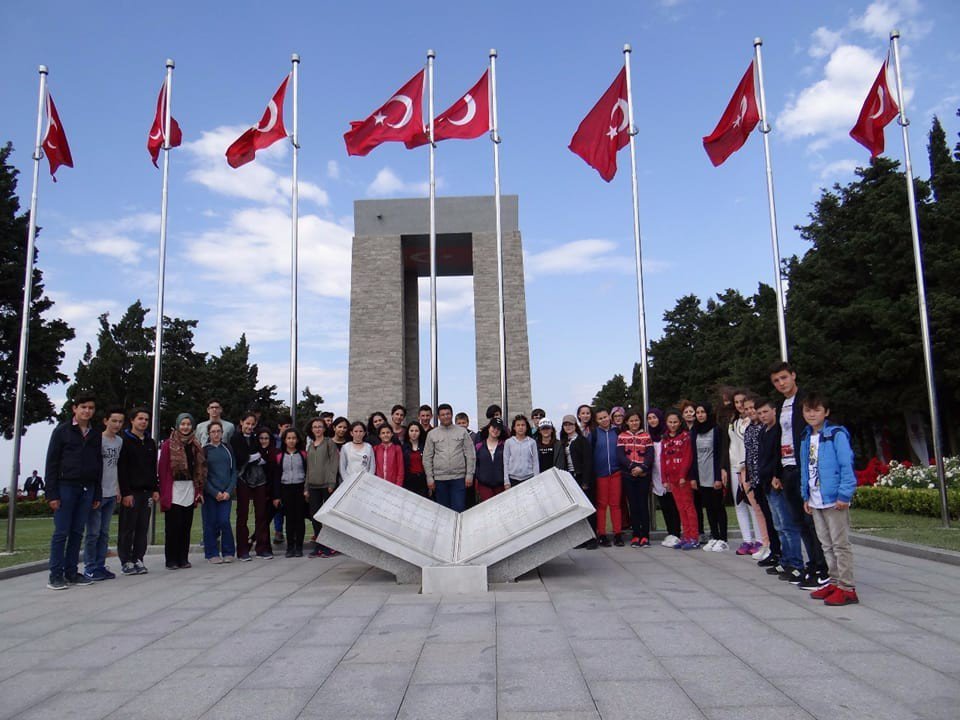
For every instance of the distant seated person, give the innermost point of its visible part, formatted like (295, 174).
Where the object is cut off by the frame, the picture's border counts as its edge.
(33, 486)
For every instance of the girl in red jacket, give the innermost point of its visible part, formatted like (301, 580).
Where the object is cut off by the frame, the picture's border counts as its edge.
(389, 457)
(676, 458)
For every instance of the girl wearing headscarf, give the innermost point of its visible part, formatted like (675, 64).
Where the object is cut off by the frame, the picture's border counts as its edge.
(183, 471)
(708, 470)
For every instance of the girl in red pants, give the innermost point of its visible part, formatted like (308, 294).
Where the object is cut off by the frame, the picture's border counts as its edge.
(676, 459)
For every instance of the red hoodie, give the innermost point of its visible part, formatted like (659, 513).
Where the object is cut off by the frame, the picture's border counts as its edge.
(676, 458)
(389, 457)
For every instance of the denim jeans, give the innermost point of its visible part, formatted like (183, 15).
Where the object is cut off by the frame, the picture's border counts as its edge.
(452, 493)
(68, 521)
(217, 533)
(98, 535)
(787, 529)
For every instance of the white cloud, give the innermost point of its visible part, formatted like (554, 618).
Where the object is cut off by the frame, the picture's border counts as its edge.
(454, 301)
(387, 183)
(832, 171)
(576, 257)
(112, 238)
(823, 41)
(256, 181)
(882, 16)
(333, 169)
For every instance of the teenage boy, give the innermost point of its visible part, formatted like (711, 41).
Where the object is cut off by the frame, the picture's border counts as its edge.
(74, 467)
(98, 520)
(425, 416)
(139, 487)
(790, 418)
(791, 558)
(214, 412)
(770, 555)
(536, 415)
(327, 418)
(608, 480)
(463, 420)
(828, 485)
(398, 415)
(449, 460)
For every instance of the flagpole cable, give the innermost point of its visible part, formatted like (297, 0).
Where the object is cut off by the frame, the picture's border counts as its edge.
(495, 137)
(641, 309)
(158, 338)
(25, 319)
(294, 241)
(774, 236)
(434, 384)
(921, 290)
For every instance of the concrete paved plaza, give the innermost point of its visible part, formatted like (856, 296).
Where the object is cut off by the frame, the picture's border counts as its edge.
(619, 633)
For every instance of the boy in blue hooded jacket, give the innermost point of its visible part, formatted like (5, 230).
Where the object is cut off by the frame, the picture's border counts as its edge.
(827, 485)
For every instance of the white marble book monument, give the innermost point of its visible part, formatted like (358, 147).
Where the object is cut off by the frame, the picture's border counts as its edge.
(401, 532)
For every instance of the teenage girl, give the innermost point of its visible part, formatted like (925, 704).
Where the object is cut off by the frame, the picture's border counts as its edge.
(414, 478)
(676, 458)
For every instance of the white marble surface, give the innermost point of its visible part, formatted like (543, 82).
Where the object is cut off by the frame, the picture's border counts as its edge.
(454, 580)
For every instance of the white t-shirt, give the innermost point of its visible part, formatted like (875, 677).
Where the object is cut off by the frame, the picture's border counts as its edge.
(813, 468)
(184, 494)
(110, 449)
(788, 455)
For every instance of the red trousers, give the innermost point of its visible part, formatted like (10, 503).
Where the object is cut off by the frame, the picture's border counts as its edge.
(608, 497)
(485, 493)
(683, 497)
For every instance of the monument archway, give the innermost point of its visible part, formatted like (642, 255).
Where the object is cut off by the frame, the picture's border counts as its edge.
(390, 253)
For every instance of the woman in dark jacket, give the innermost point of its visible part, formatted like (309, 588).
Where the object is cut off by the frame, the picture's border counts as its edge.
(253, 450)
(414, 478)
(489, 469)
(707, 469)
(578, 456)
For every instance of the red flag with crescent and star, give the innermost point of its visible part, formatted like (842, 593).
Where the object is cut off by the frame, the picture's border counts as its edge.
(878, 110)
(265, 133)
(736, 123)
(604, 131)
(399, 119)
(54, 142)
(155, 138)
(466, 119)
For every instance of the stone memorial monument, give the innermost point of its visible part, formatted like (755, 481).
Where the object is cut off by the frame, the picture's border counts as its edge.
(422, 542)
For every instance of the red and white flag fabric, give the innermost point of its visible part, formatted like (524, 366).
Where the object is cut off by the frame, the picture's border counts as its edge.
(736, 123)
(467, 118)
(604, 131)
(155, 138)
(265, 133)
(399, 119)
(54, 142)
(878, 110)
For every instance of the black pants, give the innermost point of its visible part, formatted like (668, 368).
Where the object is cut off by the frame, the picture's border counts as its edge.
(416, 482)
(638, 496)
(176, 535)
(134, 524)
(698, 505)
(716, 513)
(671, 517)
(293, 503)
(808, 533)
(761, 497)
(318, 496)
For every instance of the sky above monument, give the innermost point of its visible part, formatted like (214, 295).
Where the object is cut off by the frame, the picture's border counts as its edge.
(704, 229)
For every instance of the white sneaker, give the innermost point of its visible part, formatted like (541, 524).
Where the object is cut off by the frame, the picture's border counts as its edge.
(670, 541)
(709, 546)
(719, 546)
(762, 554)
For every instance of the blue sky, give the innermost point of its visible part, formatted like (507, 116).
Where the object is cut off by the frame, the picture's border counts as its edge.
(703, 229)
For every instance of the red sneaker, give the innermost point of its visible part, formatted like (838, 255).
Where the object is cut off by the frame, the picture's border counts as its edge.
(842, 597)
(824, 592)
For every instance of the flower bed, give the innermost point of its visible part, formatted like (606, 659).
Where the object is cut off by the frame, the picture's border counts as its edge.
(914, 477)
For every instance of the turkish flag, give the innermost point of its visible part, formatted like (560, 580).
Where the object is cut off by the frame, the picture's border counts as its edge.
(399, 119)
(54, 143)
(736, 123)
(467, 118)
(878, 110)
(155, 139)
(604, 130)
(262, 135)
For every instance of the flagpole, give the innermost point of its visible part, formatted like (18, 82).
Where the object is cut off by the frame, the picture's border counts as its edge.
(158, 338)
(921, 289)
(434, 384)
(774, 238)
(294, 222)
(495, 137)
(25, 319)
(641, 309)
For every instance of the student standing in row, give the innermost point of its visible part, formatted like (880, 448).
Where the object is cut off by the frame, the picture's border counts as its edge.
(289, 478)
(549, 449)
(635, 457)
(356, 456)
(578, 455)
(183, 470)
(449, 460)
(708, 471)
(520, 460)
(98, 521)
(388, 457)
(218, 544)
(414, 477)
(139, 488)
(253, 452)
(656, 426)
(676, 458)
(608, 479)
(323, 462)
(489, 470)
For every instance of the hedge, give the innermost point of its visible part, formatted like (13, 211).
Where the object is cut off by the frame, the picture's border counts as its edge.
(922, 501)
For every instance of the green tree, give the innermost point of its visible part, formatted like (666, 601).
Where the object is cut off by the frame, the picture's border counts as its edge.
(47, 336)
(309, 407)
(232, 379)
(613, 393)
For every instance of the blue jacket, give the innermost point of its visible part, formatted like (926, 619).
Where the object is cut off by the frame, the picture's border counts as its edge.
(221, 470)
(835, 461)
(604, 451)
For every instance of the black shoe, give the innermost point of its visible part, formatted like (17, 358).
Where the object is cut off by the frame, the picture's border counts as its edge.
(299, 552)
(771, 561)
(57, 583)
(618, 540)
(172, 566)
(809, 581)
(604, 541)
(791, 575)
(290, 553)
(775, 570)
(591, 544)
(184, 566)
(821, 578)
(79, 580)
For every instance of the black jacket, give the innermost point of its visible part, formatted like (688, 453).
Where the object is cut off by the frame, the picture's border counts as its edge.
(769, 466)
(489, 471)
(73, 459)
(581, 453)
(137, 465)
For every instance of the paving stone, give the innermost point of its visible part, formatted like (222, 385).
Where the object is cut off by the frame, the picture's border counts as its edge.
(467, 628)
(147, 668)
(843, 697)
(553, 685)
(642, 699)
(711, 681)
(243, 648)
(624, 659)
(381, 646)
(526, 613)
(270, 704)
(361, 690)
(756, 712)
(677, 639)
(90, 705)
(463, 701)
(296, 666)
(531, 643)
(456, 663)
(186, 693)
(29, 688)
(99, 652)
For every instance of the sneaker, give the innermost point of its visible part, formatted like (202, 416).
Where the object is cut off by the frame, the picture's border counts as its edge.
(97, 575)
(591, 544)
(822, 578)
(604, 541)
(720, 546)
(244, 558)
(298, 552)
(809, 581)
(670, 541)
(824, 592)
(141, 568)
(761, 553)
(644, 542)
(635, 541)
(215, 560)
(689, 545)
(172, 566)
(618, 540)
(792, 576)
(128, 568)
(80, 580)
(709, 546)
(227, 559)
(57, 583)
(775, 570)
(769, 561)
(290, 553)
(108, 574)
(264, 556)
(842, 597)
(745, 549)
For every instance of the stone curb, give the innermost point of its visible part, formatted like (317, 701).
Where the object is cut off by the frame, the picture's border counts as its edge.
(41, 565)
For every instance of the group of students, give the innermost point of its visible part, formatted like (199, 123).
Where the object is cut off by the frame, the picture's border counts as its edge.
(787, 470)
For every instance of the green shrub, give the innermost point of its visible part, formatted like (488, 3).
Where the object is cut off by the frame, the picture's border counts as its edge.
(921, 501)
(29, 508)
